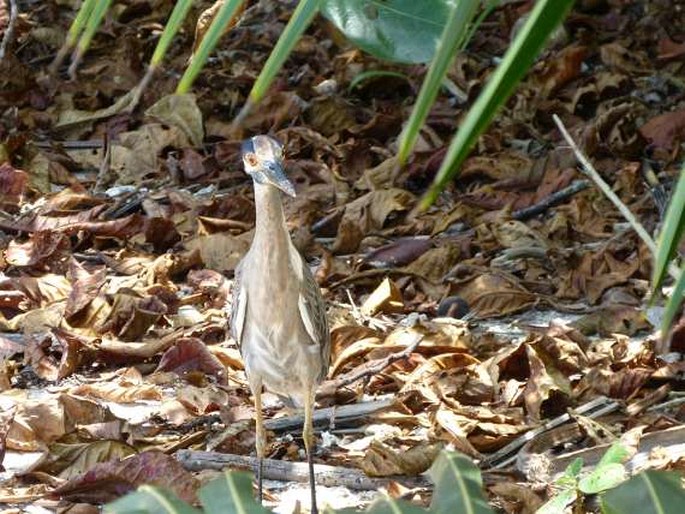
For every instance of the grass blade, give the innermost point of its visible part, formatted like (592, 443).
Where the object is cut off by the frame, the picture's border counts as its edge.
(302, 16)
(671, 233)
(673, 303)
(75, 31)
(542, 21)
(222, 20)
(94, 19)
(170, 29)
(452, 36)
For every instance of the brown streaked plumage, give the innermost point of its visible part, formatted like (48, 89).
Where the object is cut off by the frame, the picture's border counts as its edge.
(278, 316)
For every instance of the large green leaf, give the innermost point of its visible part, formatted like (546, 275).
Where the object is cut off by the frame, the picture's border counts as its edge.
(650, 492)
(458, 486)
(150, 500)
(543, 19)
(231, 494)
(395, 30)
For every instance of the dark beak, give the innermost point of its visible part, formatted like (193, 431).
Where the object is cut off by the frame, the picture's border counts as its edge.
(273, 171)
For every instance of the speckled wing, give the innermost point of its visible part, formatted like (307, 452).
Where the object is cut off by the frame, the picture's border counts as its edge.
(239, 305)
(313, 313)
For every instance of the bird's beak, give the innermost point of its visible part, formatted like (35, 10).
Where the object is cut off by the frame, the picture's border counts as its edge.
(273, 171)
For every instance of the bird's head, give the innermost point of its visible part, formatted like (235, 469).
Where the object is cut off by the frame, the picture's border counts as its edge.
(263, 161)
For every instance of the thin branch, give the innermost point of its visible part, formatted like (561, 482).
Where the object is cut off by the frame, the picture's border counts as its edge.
(325, 475)
(551, 200)
(9, 31)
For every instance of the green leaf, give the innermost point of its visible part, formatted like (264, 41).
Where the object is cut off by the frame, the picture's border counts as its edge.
(559, 502)
(573, 470)
(374, 74)
(617, 453)
(602, 478)
(211, 38)
(458, 486)
(395, 30)
(650, 492)
(230, 493)
(671, 233)
(542, 21)
(150, 500)
(450, 41)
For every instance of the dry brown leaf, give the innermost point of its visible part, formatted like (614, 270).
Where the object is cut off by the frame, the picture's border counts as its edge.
(381, 460)
(546, 384)
(385, 298)
(369, 213)
(491, 294)
(665, 130)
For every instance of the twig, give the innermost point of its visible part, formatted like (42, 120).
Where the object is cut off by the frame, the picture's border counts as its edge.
(293, 471)
(369, 369)
(591, 172)
(9, 31)
(551, 200)
(323, 419)
(339, 415)
(509, 453)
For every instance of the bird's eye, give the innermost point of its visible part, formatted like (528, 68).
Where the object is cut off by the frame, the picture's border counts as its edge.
(251, 159)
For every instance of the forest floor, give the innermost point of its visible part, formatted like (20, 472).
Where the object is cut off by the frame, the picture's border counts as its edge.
(467, 325)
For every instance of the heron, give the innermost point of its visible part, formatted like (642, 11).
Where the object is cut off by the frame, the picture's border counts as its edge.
(278, 316)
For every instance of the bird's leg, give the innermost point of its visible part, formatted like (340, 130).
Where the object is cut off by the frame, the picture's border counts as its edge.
(308, 436)
(260, 441)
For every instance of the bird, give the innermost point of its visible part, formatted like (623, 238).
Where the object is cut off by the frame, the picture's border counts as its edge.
(278, 315)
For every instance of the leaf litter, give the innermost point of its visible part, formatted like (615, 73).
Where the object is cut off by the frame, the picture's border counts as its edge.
(120, 231)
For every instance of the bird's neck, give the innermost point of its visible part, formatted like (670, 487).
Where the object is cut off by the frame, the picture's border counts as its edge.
(270, 223)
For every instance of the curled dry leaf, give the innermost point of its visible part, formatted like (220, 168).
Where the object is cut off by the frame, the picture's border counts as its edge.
(70, 457)
(13, 183)
(491, 294)
(106, 482)
(665, 130)
(35, 424)
(6, 420)
(132, 315)
(121, 391)
(382, 460)
(45, 250)
(398, 253)
(191, 355)
(385, 298)
(202, 400)
(220, 252)
(182, 112)
(546, 384)
(86, 285)
(367, 214)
